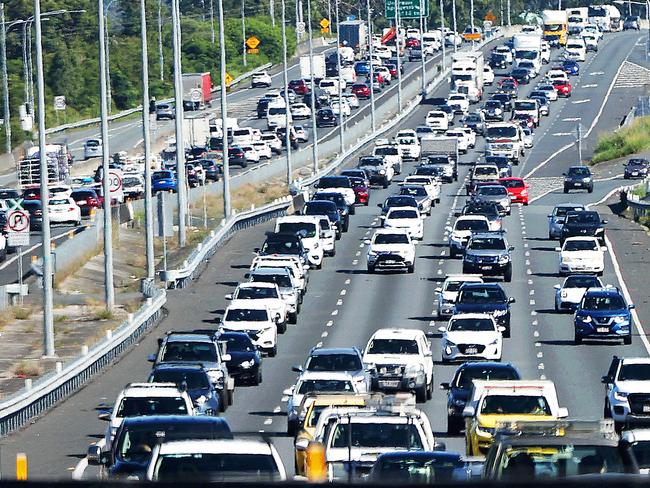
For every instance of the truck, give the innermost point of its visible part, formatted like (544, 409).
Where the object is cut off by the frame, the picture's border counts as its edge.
(578, 18)
(606, 17)
(318, 61)
(505, 139)
(467, 74)
(555, 27)
(196, 130)
(441, 151)
(528, 47)
(29, 168)
(197, 91)
(354, 34)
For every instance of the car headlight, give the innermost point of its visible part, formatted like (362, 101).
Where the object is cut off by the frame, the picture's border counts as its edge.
(471, 258)
(620, 319)
(586, 180)
(201, 400)
(584, 318)
(504, 258)
(382, 171)
(621, 396)
(372, 254)
(216, 376)
(247, 364)
(415, 368)
(485, 431)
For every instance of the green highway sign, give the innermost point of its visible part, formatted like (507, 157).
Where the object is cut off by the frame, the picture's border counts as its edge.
(408, 9)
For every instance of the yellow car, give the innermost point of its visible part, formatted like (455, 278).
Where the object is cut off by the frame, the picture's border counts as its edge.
(313, 406)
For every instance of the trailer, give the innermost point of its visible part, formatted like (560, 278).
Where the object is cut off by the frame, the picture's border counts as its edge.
(441, 151)
(196, 130)
(197, 91)
(318, 60)
(354, 34)
(29, 168)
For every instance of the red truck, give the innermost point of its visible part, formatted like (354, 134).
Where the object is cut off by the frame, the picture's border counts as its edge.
(197, 91)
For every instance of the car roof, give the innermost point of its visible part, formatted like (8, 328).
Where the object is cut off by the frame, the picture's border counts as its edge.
(229, 446)
(328, 351)
(247, 305)
(325, 375)
(604, 291)
(270, 271)
(484, 364)
(178, 366)
(419, 455)
(470, 285)
(457, 316)
(638, 360)
(389, 333)
(144, 390)
(189, 337)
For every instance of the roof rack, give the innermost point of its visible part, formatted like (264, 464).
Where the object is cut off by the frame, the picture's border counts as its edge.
(152, 385)
(557, 428)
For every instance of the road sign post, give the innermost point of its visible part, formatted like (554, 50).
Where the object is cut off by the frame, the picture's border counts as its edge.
(408, 9)
(115, 188)
(18, 236)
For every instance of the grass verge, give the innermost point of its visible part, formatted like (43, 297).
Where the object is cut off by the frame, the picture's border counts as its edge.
(630, 140)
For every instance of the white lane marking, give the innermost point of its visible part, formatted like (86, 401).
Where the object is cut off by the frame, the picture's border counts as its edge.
(268, 421)
(339, 302)
(535, 334)
(535, 322)
(571, 119)
(329, 323)
(358, 253)
(532, 302)
(347, 282)
(589, 86)
(538, 344)
(561, 134)
(324, 334)
(540, 366)
(277, 409)
(540, 354)
(343, 292)
(335, 312)
(596, 73)
(355, 262)
(138, 143)
(578, 102)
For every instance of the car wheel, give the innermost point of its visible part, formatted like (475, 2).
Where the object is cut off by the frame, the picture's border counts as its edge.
(410, 269)
(627, 340)
(577, 339)
(353, 210)
(371, 269)
(244, 164)
(421, 394)
(385, 183)
(273, 351)
(566, 190)
(430, 390)
(231, 397)
(507, 276)
(223, 401)
(454, 425)
(607, 411)
(590, 190)
(366, 203)
(282, 327)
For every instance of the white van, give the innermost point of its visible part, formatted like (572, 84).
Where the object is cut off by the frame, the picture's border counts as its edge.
(277, 117)
(242, 136)
(330, 86)
(576, 49)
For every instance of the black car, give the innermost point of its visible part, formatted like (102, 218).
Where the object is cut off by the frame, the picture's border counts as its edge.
(398, 201)
(578, 178)
(522, 75)
(245, 363)
(193, 379)
(237, 156)
(341, 206)
(9, 194)
(493, 110)
(505, 99)
(430, 170)
(213, 169)
(488, 254)
(262, 107)
(35, 209)
(632, 22)
(636, 168)
(283, 244)
(459, 389)
(501, 162)
(136, 437)
(584, 223)
(328, 208)
(489, 209)
(326, 117)
(407, 467)
(498, 61)
(485, 298)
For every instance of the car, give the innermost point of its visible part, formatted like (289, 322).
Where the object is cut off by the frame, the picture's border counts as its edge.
(268, 294)
(521, 75)
(339, 218)
(502, 163)
(463, 228)
(627, 392)
(581, 255)
(300, 111)
(391, 154)
(458, 102)
(93, 149)
(261, 79)
(391, 249)
(603, 314)
(165, 111)
(485, 298)
(282, 272)
(578, 177)
(493, 110)
(504, 98)
(542, 102)
(488, 75)
(489, 254)
(481, 172)
(403, 361)
(489, 210)
(300, 87)
(632, 22)
(245, 364)
(557, 218)
(431, 183)
(325, 117)
(312, 382)
(361, 90)
(498, 61)
(398, 201)
(409, 147)
(591, 41)
(257, 320)
(459, 389)
(237, 156)
(530, 66)
(462, 137)
(517, 189)
(496, 193)
(226, 460)
(556, 73)
(404, 467)
(549, 90)
(475, 121)
(273, 141)
(193, 379)
(437, 120)
(563, 88)
(471, 336)
(64, 210)
(423, 197)
(636, 168)
(87, 200)
(407, 218)
(361, 190)
(448, 292)
(283, 244)
(379, 171)
(570, 67)
(307, 228)
(340, 203)
(164, 180)
(302, 133)
(338, 184)
(338, 359)
(569, 294)
(583, 223)
(35, 210)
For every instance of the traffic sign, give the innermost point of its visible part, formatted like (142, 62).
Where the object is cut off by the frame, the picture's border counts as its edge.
(196, 95)
(252, 42)
(18, 225)
(300, 27)
(490, 16)
(253, 51)
(59, 103)
(228, 79)
(408, 9)
(324, 23)
(115, 187)
(324, 30)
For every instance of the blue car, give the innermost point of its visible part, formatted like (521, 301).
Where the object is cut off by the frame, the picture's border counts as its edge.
(245, 363)
(164, 180)
(195, 380)
(603, 314)
(571, 68)
(362, 68)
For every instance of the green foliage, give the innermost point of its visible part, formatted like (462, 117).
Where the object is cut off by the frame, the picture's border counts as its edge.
(630, 140)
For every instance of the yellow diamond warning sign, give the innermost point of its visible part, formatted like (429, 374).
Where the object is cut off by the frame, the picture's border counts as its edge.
(252, 42)
(325, 23)
(228, 79)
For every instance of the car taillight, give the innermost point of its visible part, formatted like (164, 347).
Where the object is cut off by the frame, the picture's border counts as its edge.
(70, 209)
(38, 212)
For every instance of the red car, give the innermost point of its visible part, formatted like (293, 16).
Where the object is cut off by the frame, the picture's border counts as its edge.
(524, 120)
(412, 42)
(507, 80)
(361, 90)
(517, 189)
(392, 69)
(563, 88)
(87, 199)
(300, 87)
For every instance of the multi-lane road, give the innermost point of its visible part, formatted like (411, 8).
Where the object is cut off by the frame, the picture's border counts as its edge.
(345, 304)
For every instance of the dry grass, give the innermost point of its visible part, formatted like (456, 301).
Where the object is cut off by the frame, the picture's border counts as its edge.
(79, 263)
(28, 369)
(58, 319)
(103, 314)
(258, 195)
(21, 313)
(629, 140)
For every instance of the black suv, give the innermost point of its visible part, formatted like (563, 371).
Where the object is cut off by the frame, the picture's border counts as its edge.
(326, 117)
(262, 107)
(636, 168)
(341, 205)
(584, 223)
(328, 208)
(459, 389)
(485, 298)
(489, 254)
(578, 178)
(283, 243)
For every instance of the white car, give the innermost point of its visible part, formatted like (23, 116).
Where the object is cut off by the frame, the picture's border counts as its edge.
(471, 336)
(575, 49)
(273, 141)
(447, 294)
(327, 234)
(431, 184)
(557, 74)
(138, 399)
(257, 320)
(403, 361)
(581, 255)
(391, 249)
(627, 386)
(390, 153)
(251, 155)
(407, 218)
(383, 52)
(591, 42)
(266, 294)
(488, 75)
(458, 102)
(384, 72)
(593, 30)
(463, 139)
(307, 227)
(471, 136)
(263, 149)
(546, 52)
(569, 294)
(352, 99)
(409, 148)
(406, 133)
(528, 137)
(300, 111)
(276, 98)
(506, 51)
(340, 107)
(261, 79)
(63, 210)
(254, 459)
(549, 91)
(462, 230)
(437, 120)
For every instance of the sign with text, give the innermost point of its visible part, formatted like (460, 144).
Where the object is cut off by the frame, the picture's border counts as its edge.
(408, 9)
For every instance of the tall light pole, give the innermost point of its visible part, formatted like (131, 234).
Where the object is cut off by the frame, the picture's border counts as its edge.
(424, 70)
(372, 70)
(161, 57)
(508, 5)
(109, 292)
(340, 88)
(471, 18)
(442, 29)
(212, 34)
(108, 57)
(5, 79)
(243, 31)
(397, 56)
(178, 119)
(48, 302)
(148, 210)
(314, 129)
(285, 79)
(272, 12)
(453, 14)
(224, 113)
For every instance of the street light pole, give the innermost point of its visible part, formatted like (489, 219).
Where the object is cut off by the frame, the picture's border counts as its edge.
(399, 64)
(5, 79)
(224, 113)
(372, 70)
(338, 66)
(161, 58)
(48, 302)
(212, 34)
(453, 14)
(314, 144)
(243, 31)
(442, 29)
(424, 70)
(285, 79)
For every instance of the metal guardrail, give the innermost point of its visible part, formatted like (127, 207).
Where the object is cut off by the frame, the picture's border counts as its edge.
(125, 113)
(640, 208)
(18, 409)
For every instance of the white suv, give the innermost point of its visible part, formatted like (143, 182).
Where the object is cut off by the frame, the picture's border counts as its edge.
(402, 361)
(307, 227)
(261, 78)
(581, 255)
(627, 391)
(267, 294)
(256, 320)
(391, 248)
(462, 230)
(407, 218)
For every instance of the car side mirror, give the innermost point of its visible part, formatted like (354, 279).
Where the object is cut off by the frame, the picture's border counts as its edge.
(562, 412)
(445, 386)
(557, 287)
(468, 411)
(511, 300)
(288, 392)
(366, 241)
(228, 296)
(631, 306)
(297, 369)
(603, 221)
(105, 416)
(603, 248)
(606, 379)
(558, 249)
(380, 205)
(438, 290)
(511, 248)
(563, 174)
(226, 358)
(439, 446)
(501, 328)
(94, 455)
(442, 328)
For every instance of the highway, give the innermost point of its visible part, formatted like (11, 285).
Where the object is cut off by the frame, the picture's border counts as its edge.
(345, 305)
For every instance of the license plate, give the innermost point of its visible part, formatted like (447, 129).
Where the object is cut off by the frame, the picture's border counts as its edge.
(388, 384)
(486, 267)
(646, 408)
(577, 184)
(635, 173)
(471, 350)
(602, 329)
(81, 202)
(389, 261)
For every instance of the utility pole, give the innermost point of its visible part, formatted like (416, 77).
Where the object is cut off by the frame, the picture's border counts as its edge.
(272, 12)
(453, 14)
(212, 34)
(501, 12)
(178, 119)
(161, 57)
(397, 56)
(424, 70)
(108, 58)
(509, 23)
(26, 70)
(5, 79)
(579, 141)
(224, 114)
(48, 319)
(471, 19)
(148, 209)
(243, 31)
(299, 19)
(372, 70)
(338, 67)
(314, 129)
(442, 29)
(285, 79)
(109, 292)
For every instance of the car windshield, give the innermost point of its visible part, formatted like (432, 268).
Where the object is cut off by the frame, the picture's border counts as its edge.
(319, 208)
(402, 214)
(377, 435)
(282, 280)
(419, 191)
(474, 225)
(581, 245)
(487, 210)
(474, 324)
(256, 293)
(498, 132)
(634, 372)
(581, 282)
(386, 151)
(237, 342)
(405, 201)
(493, 104)
(334, 362)
(466, 376)
(190, 351)
(526, 54)
(281, 247)
(493, 191)
(308, 386)
(246, 315)
(302, 229)
(371, 162)
(562, 211)
(525, 106)
(193, 380)
(482, 295)
(603, 302)
(277, 111)
(513, 183)
(334, 182)
(391, 239)
(583, 218)
(578, 172)
(515, 405)
(92, 143)
(160, 175)
(216, 467)
(483, 243)
(393, 346)
(151, 405)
